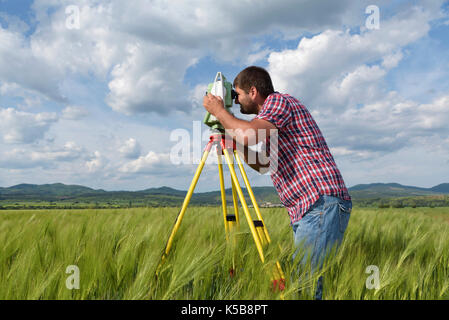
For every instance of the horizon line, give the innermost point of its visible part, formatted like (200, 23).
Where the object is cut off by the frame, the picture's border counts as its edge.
(243, 187)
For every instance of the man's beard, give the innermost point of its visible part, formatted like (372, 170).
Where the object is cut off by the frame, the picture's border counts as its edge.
(248, 108)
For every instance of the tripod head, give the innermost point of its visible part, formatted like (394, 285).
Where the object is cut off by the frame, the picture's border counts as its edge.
(223, 89)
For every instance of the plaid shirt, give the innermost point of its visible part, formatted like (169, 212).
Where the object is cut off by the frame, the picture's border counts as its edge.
(306, 168)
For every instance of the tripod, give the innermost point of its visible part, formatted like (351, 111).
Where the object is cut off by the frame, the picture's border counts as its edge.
(257, 227)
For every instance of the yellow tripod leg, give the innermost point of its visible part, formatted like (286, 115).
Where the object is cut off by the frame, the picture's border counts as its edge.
(244, 205)
(235, 200)
(251, 194)
(229, 220)
(223, 195)
(184, 207)
(263, 232)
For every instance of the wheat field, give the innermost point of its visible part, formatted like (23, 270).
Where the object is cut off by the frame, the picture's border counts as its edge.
(116, 252)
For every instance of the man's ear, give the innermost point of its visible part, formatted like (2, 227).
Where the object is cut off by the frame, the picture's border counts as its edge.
(253, 92)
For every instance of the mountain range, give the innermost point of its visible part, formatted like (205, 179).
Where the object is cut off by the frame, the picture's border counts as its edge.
(62, 192)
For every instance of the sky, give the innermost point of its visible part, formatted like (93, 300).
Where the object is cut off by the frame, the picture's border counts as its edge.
(96, 93)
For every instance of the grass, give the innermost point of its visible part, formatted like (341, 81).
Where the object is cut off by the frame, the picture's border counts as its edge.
(117, 252)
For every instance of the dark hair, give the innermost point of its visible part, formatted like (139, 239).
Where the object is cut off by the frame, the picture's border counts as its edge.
(255, 77)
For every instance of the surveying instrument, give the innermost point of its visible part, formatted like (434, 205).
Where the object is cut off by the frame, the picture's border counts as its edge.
(226, 146)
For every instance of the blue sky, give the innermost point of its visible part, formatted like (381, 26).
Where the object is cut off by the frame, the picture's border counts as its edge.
(96, 105)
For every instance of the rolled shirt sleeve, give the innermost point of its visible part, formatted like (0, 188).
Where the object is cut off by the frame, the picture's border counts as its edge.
(275, 110)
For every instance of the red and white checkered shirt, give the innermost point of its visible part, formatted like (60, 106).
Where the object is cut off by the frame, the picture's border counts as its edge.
(305, 168)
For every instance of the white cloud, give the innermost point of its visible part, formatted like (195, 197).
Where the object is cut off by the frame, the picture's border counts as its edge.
(433, 116)
(45, 157)
(136, 57)
(14, 23)
(150, 79)
(96, 162)
(152, 163)
(20, 65)
(257, 56)
(332, 58)
(144, 50)
(388, 125)
(24, 127)
(74, 113)
(340, 77)
(392, 60)
(131, 149)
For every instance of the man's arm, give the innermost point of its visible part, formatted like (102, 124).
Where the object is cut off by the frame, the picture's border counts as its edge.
(244, 132)
(252, 158)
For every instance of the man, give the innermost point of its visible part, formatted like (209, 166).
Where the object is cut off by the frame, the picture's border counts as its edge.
(307, 179)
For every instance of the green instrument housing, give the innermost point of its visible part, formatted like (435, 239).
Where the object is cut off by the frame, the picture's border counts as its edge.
(209, 119)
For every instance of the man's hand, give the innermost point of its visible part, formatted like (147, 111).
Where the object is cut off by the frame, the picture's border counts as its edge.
(213, 104)
(243, 132)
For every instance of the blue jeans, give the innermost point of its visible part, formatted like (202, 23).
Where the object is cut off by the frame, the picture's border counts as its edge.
(320, 230)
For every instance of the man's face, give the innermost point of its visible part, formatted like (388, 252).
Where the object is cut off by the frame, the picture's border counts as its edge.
(247, 105)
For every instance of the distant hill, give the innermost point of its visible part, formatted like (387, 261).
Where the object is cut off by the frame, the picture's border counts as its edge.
(153, 196)
(46, 190)
(441, 188)
(393, 190)
(164, 190)
(164, 196)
